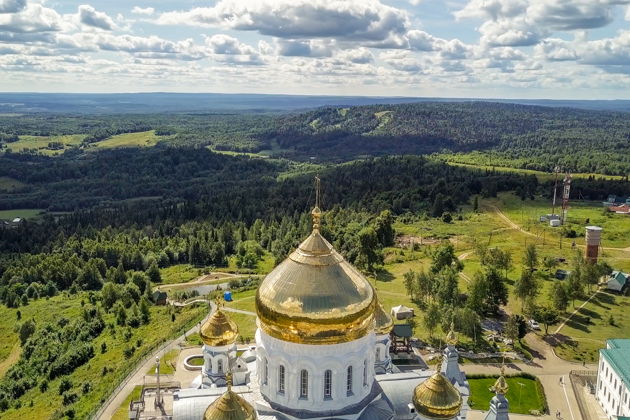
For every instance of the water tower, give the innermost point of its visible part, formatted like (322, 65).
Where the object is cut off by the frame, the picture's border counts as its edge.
(593, 240)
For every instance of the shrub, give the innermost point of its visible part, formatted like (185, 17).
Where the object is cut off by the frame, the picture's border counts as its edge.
(64, 385)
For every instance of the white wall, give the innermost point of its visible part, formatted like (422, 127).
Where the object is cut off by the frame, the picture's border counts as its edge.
(612, 394)
(315, 359)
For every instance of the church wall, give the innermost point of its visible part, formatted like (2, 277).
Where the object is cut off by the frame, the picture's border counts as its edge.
(315, 359)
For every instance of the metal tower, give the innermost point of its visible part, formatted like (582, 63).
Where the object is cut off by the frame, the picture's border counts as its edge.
(565, 196)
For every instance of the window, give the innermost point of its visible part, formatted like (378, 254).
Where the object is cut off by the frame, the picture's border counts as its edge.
(281, 379)
(220, 366)
(209, 365)
(349, 381)
(265, 371)
(378, 354)
(328, 384)
(365, 373)
(303, 384)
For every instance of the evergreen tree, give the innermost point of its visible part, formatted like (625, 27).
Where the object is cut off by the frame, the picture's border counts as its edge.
(153, 272)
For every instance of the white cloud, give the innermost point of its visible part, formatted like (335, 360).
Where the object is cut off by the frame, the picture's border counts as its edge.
(299, 48)
(147, 11)
(367, 20)
(91, 17)
(230, 50)
(420, 40)
(34, 18)
(12, 6)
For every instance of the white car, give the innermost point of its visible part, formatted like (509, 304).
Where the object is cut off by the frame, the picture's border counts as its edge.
(534, 325)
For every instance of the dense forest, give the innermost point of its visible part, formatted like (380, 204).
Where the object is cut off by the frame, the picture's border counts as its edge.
(531, 137)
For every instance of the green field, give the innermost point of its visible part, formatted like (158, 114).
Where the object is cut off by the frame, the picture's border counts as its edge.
(45, 405)
(180, 273)
(140, 139)
(523, 398)
(123, 411)
(471, 160)
(23, 213)
(41, 143)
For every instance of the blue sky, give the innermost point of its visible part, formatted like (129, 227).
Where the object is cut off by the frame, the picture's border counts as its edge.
(575, 49)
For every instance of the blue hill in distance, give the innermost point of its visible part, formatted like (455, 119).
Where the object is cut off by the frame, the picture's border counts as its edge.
(158, 102)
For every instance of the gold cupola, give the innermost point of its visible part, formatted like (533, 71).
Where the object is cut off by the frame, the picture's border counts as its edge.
(315, 296)
(218, 330)
(383, 322)
(437, 398)
(501, 386)
(230, 406)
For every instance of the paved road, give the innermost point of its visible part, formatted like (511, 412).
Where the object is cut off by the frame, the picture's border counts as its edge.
(136, 376)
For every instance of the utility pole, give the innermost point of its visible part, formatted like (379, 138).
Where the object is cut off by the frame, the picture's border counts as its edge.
(565, 196)
(556, 170)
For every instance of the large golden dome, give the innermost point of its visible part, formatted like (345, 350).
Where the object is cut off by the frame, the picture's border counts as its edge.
(437, 398)
(315, 296)
(230, 406)
(218, 330)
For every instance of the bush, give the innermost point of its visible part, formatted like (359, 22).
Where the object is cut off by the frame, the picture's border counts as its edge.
(70, 398)
(64, 385)
(43, 386)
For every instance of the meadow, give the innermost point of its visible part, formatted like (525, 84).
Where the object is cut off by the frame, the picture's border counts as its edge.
(524, 394)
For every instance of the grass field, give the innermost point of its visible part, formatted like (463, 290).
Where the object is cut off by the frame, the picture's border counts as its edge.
(140, 139)
(40, 143)
(180, 273)
(123, 411)
(523, 398)
(471, 160)
(45, 405)
(23, 213)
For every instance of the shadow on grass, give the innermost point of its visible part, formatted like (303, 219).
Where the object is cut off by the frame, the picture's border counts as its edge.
(577, 322)
(588, 313)
(384, 276)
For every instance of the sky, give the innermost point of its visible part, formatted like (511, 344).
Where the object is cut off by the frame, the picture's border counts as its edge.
(556, 49)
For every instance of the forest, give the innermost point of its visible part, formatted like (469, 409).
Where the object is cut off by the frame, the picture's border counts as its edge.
(522, 136)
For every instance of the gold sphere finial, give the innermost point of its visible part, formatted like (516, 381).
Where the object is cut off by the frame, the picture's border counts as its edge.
(451, 337)
(228, 380)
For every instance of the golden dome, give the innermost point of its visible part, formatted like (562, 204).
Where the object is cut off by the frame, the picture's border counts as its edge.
(219, 330)
(315, 296)
(501, 386)
(437, 398)
(230, 406)
(383, 322)
(451, 337)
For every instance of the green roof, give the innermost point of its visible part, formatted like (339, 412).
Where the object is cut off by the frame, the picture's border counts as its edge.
(618, 357)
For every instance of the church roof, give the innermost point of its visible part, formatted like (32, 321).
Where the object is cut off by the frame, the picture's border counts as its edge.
(315, 296)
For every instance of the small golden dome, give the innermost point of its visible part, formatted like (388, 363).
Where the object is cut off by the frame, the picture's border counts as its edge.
(451, 337)
(437, 398)
(219, 330)
(383, 322)
(315, 296)
(230, 406)
(501, 386)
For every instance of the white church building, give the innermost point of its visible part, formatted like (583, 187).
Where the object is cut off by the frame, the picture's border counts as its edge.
(613, 378)
(321, 353)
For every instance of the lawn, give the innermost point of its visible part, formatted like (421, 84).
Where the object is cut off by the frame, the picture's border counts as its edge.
(145, 338)
(167, 363)
(523, 398)
(40, 143)
(23, 213)
(140, 139)
(180, 273)
(123, 411)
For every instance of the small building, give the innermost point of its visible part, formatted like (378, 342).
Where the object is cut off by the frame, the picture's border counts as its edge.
(555, 222)
(620, 209)
(549, 217)
(159, 297)
(402, 312)
(227, 296)
(617, 281)
(613, 378)
(400, 338)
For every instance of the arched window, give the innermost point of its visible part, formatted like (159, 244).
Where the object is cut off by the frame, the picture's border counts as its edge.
(349, 381)
(365, 372)
(378, 354)
(220, 366)
(265, 371)
(209, 364)
(303, 384)
(328, 384)
(281, 379)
